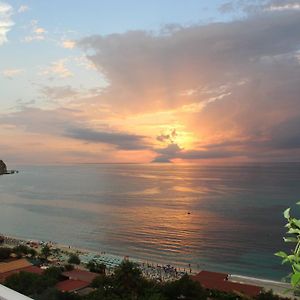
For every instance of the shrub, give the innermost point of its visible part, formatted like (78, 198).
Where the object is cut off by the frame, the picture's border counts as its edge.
(22, 250)
(95, 267)
(74, 259)
(69, 267)
(5, 253)
(45, 252)
(293, 259)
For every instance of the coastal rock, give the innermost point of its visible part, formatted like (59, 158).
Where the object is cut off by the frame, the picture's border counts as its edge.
(3, 168)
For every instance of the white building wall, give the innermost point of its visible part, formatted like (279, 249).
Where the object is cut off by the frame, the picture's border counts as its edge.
(8, 294)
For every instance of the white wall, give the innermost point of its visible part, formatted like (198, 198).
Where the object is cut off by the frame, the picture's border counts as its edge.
(8, 294)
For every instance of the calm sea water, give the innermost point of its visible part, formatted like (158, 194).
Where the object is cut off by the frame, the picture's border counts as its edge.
(235, 222)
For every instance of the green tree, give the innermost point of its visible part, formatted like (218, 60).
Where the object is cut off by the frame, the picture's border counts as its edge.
(5, 253)
(154, 296)
(95, 267)
(293, 259)
(33, 284)
(53, 273)
(22, 250)
(24, 283)
(268, 296)
(184, 288)
(32, 252)
(45, 252)
(103, 282)
(69, 267)
(74, 259)
(54, 294)
(128, 279)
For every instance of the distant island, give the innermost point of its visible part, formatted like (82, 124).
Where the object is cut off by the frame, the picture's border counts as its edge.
(3, 169)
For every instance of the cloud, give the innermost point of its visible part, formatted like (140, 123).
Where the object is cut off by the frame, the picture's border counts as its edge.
(167, 154)
(39, 30)
(227, 7)
(167, 137)
(59, 92)
(23, 8)
(59, 69)
(154, 71)
(67, 123)
(230, 89)
(173, 151)
(6, 22)
(283, 5)
(36, 120)
(286, 135)
(21, 104)
(37, 33)
(258, 6)
(224, 82)
(121, 140)
(68, 44)
(12, 73)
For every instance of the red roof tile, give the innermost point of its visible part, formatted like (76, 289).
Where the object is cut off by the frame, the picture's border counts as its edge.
(71, 285)
(217, 281)
(77, 274)
(212, 275)
(33, 269)
(246, 289)
(14, 265)
(30, 269)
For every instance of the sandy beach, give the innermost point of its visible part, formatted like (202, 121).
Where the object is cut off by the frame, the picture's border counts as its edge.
(149, 270)
(62, 252)
(279, 288)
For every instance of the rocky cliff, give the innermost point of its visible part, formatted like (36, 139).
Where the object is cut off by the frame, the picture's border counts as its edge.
(3, 168)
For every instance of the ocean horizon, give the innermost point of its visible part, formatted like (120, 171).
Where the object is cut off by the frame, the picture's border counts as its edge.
(224, 218)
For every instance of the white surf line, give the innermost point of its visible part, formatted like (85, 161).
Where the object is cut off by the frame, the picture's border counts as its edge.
(258, 279)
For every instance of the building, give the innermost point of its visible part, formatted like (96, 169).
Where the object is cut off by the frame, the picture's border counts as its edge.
(71, 285)
(82, 275)
(77, 281)
(220, 282)
(15, 266)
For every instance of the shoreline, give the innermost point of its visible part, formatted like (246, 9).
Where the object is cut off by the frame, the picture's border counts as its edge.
(161, 272)
(149, 270)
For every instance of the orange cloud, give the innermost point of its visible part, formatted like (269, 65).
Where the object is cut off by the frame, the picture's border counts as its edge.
(214, 92)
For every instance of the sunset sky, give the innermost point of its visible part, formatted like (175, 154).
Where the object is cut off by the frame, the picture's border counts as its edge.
(149, 81)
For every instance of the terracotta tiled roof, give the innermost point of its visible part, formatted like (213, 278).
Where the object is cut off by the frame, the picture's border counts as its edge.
(246, 289)
(14, 265)
(30, 269)
(220, 282)
(77, 274)
(33, 269)
(71, 285)
(208, 275)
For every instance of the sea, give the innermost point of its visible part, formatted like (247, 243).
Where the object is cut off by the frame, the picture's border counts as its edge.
(219, 218)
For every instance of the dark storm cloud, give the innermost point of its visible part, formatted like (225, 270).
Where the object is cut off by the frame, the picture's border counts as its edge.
(286, 135)
(67, 123)
(174, 151)
(121, 140)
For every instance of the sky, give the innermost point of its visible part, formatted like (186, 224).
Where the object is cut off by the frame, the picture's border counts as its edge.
(181, 81)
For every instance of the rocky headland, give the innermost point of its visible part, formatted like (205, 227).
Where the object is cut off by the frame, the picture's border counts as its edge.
(3, 168)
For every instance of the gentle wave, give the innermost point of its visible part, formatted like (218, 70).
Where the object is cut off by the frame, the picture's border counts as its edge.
(226, 218)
